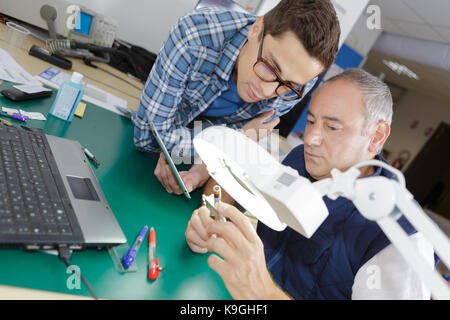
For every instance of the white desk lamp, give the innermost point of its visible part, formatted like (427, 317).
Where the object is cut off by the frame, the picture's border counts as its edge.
(278, 197)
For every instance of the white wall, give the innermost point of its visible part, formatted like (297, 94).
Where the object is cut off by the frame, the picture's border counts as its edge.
(348, 12)
(147, 22)
(414, 106)
(142, 22)
(361, 38)
(265, 6)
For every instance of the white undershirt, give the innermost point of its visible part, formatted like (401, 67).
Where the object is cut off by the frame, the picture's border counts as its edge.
(387, 276)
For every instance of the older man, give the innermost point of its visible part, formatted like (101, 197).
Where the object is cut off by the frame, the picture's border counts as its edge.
(348, 256)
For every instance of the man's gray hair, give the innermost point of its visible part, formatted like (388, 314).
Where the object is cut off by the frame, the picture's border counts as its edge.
(376, 95)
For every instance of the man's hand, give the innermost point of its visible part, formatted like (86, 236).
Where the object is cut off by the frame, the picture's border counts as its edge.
(256, 129)
(194, 178)
(196, 235)
(243, 267)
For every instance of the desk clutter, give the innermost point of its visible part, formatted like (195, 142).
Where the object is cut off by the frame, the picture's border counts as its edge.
(55, 78)
(39, 200)
(32, 87)
(124, 257)
(35, 206)
(21, 115)
(44, 216)
(43, 198)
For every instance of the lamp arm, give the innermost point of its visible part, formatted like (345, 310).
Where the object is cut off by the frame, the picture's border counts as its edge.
(374, 198)
(384, 200)
(399, 238)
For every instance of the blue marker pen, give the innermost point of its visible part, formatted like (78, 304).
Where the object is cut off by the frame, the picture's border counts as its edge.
(129, 257)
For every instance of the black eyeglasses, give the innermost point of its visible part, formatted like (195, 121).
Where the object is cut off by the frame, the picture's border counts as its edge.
(286, 90)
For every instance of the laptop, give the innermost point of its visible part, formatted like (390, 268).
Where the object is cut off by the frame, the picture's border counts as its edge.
(49, 195)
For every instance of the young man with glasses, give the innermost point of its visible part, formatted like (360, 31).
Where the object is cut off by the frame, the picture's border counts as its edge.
(229, 68)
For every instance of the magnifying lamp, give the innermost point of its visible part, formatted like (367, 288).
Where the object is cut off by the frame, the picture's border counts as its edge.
(254, 178)
(277, 196)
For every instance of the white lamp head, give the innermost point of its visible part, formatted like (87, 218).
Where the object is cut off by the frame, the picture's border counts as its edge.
(273, 193)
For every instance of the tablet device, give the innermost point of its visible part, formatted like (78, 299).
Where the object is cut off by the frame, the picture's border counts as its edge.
(169, 160)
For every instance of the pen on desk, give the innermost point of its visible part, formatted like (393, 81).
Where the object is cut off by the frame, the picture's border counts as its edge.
(91, 156)
(153, 269)
(130, 256)
(15, 116)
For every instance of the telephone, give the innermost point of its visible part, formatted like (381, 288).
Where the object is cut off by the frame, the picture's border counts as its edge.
(88, 26)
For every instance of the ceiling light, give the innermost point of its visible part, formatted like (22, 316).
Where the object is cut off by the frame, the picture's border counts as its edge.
(401, 69)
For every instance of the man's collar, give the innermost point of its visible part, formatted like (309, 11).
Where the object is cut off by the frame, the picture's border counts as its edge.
(378, 170)
(241, 38)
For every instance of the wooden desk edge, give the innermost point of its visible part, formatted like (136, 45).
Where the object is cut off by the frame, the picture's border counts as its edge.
(16, 293)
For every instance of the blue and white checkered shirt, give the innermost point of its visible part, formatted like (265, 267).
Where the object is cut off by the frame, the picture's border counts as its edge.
(192, 69)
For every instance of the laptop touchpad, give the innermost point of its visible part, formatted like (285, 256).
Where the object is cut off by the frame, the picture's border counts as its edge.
(82, 188)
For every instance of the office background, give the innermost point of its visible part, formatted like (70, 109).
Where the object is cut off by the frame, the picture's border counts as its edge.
(421, 30)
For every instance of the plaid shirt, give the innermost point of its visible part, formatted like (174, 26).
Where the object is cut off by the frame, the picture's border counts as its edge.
(191, 70)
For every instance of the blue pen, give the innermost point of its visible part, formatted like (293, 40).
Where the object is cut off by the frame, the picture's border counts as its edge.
(129, 257)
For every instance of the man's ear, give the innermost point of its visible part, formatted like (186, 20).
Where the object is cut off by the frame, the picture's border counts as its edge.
(256, 28)
(379, 135)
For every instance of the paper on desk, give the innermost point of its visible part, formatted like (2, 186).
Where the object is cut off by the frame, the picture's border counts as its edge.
(10, 70)
(33, 88)
(33, 115)
(54, 78)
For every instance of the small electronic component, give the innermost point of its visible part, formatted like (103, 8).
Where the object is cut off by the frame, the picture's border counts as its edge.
(212, 203)
(217, 196)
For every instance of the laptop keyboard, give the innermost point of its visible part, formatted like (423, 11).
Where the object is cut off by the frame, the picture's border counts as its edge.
(33, 200)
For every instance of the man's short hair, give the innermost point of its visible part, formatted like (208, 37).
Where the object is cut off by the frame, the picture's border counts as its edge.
(313, 21)
(376, 95)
